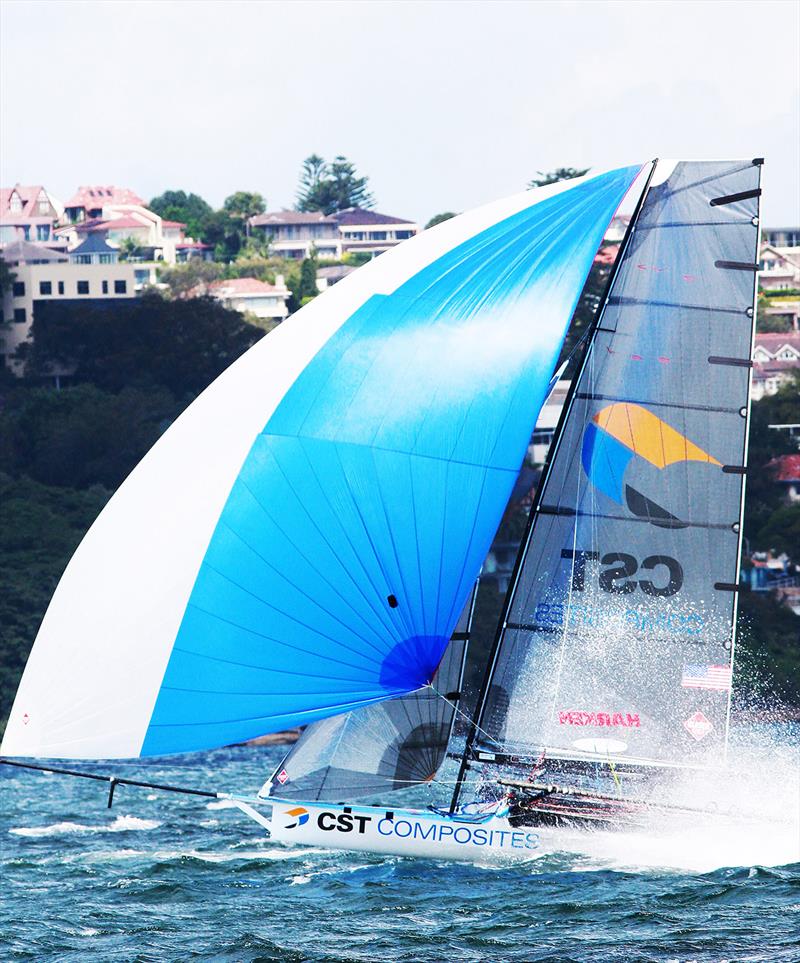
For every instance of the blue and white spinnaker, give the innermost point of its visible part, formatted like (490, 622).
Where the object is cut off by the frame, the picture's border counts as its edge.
(302, 540)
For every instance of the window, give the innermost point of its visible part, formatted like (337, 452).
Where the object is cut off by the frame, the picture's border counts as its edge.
(105, 287)
(402, 235)
(82, 258)
(45, 287)
(377, 235)
(60, 287)
(26, 232)
(18, 289)
(20, 316)
(106, 258)
(42, 232)
(83, 287)
(120, 287)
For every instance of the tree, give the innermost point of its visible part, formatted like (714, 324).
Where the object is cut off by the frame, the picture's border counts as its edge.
(184, 279)
(331, 187)
(559, 174)
(243, 205)
(180, 345)
(439, 218)
(189, 209)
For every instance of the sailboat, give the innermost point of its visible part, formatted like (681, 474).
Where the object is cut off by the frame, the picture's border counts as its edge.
(302, 546)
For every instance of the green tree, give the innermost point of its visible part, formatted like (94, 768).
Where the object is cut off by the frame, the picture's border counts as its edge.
(183, 279)
(331, 187)
(190, 209)
(559, 174)
(181, 345)
(244, 204)
(81, 436)
(439, 218)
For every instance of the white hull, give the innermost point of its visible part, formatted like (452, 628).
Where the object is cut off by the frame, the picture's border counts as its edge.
(410, 832)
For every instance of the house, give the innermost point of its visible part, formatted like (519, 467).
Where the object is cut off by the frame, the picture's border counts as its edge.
(776, 357)
(786, 472)
(297, 234)
(42, 276)
(781, 236)
(27, 214)
(94, 250)
(779, 267)
(89, 203)
(267, 301)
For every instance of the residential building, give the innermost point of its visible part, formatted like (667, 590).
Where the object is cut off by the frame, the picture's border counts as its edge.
(94, 250)
(90, 203)
(781, 236)
(779, 267)
(785, 472)
(266, 301)
(547, 422)
(776, 357)
(27, 214)
(296, 234)
(43, 276)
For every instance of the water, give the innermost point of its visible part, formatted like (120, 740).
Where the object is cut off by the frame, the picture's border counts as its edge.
(168, 878)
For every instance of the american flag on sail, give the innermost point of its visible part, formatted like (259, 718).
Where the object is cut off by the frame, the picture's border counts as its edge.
(707, 677)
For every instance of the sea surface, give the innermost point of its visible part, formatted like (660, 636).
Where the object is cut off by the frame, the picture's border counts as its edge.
(161, 877)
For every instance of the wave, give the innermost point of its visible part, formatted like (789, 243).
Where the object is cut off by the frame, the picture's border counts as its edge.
(119, 825)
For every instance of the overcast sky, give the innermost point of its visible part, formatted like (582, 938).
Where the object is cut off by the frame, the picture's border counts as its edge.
(444, 105)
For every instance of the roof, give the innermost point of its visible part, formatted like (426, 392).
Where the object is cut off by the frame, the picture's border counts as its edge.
(236, 287)
(291, 217)
(117, 222)
(607, 254)
(95, 196)
(172, 224)
(28, 195)
(95, 243)
(357, 215)
(26, 253)
(785, 468)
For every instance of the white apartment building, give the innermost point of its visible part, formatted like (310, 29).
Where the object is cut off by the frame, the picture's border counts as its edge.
(45, 275)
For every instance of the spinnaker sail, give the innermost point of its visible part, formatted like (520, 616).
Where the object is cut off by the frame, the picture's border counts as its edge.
(617, 640)
(386, 746)
(301, 541)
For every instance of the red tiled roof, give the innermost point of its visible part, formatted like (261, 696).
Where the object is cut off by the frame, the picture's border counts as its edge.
(238, 286)
(28, 195)
(785, 468)
(118, 222)
(92, 197)
(172, 224)
(607, 254)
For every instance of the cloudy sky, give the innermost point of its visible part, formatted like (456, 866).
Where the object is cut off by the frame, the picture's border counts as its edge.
(444, 105)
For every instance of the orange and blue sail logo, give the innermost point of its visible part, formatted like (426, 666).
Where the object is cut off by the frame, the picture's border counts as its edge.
(623, 431)
(298, 815)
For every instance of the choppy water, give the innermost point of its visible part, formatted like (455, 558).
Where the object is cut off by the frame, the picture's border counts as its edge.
(162, 878)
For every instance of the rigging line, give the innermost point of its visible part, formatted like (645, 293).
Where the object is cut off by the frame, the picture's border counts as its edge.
(464, 715)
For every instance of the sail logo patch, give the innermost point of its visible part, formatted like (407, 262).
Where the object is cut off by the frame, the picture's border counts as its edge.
(627, 720)
(698, 726)
(299, 817)
(623, 431)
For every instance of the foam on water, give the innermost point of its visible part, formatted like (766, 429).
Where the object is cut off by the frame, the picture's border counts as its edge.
(120, 824)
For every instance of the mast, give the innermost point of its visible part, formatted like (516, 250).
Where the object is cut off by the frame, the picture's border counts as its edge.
(758, 162)
(477, 716)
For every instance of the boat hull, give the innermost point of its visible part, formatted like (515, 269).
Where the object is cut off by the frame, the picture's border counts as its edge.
(404, 832)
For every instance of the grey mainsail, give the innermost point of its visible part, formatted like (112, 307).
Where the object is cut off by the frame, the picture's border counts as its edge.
(386, 746)
(617, 640)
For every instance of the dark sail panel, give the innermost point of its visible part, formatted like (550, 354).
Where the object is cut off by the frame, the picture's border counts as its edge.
(619, 632)
(387, 746)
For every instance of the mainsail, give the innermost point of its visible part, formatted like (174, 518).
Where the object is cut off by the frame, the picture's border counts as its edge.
(617, 640)
(390, 745)
(301, 541)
